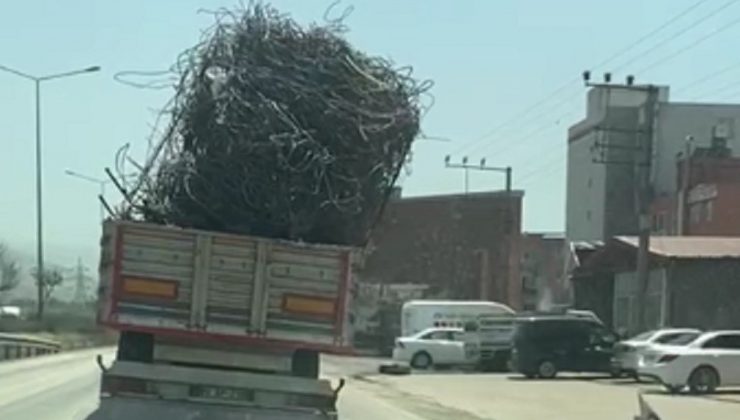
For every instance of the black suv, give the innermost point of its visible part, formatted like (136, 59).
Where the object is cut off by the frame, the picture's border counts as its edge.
(546, 345)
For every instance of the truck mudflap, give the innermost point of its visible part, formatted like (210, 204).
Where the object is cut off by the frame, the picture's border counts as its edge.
(646, 412)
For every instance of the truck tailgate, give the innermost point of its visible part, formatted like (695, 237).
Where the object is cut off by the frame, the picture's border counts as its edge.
(184, 281)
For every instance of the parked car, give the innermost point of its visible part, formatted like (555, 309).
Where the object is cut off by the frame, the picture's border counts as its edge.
(437, 347)
(627, 353)
(546, 345)
(710, 361)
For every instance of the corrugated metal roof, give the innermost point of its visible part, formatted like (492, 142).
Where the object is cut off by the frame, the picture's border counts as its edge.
(689, 246)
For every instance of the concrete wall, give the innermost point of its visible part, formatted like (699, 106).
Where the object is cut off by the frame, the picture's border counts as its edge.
(600, 184)
(585, 191)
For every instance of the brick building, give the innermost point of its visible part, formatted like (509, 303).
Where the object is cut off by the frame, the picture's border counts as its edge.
(708, 204)
(463, 246)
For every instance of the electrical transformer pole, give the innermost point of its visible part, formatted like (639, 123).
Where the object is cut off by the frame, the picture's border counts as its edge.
(641, 161)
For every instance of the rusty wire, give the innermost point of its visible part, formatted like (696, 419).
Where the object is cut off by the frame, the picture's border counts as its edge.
(281, 131)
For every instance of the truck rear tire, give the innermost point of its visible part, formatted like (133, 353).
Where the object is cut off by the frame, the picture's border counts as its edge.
(305, 364)
(135, 347)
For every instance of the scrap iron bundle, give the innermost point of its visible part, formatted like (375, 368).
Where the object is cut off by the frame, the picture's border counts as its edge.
(282, 131)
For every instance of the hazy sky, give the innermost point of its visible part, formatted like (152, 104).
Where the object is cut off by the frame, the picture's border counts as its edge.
(490, 61)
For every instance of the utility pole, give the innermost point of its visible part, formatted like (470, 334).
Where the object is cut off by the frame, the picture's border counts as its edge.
(508, 217)
(642, 164)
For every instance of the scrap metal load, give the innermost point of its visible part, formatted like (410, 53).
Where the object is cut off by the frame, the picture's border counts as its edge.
(283, 132)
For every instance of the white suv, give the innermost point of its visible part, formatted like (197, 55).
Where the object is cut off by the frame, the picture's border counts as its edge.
(710, 361)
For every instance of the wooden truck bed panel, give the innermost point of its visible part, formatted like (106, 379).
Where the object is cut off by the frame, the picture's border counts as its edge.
(210, 284)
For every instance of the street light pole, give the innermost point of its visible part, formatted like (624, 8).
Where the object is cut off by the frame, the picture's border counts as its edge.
(101, 183)
(39, 192)
(39, 210)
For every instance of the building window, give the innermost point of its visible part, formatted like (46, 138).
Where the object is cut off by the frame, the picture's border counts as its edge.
(588, 214)
(590, 182)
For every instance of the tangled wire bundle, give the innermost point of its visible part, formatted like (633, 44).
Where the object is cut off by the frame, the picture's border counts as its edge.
(283, 132)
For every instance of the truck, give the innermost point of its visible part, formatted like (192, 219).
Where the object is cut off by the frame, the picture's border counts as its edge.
(218, 326)
(418, 315)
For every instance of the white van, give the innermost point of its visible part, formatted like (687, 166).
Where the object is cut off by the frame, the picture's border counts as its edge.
(418, 315)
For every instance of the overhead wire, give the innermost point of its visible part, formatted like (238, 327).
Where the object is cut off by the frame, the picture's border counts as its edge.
(673, 36)
(694, 23)
(691, 46)
(549, 164)
(715, 91)
(571, 82)
(707, 77)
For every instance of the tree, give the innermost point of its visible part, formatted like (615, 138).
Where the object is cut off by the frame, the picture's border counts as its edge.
(9, 271)
(51, 278)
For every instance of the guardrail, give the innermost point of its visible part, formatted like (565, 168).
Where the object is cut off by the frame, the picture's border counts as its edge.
(16, 346)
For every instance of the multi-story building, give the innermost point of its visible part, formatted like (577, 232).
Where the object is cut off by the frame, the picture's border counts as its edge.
(603, 148)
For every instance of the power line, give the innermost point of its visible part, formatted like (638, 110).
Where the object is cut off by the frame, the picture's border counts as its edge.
(677, 34)
(731, 95)
(690, 46)
(650, 34)
(548, 125)
(517, 116)
(716, 91)
(707, 77)
(565, 86)
(548, 167)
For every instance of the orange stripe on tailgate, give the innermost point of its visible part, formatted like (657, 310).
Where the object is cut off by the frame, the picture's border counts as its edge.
(148, 287)
(309, 305)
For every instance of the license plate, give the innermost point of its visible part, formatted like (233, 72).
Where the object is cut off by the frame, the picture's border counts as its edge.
(221, 393)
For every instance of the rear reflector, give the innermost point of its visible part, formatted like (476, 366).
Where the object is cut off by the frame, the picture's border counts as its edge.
(308, 305)
(667, 358)
(148, 287)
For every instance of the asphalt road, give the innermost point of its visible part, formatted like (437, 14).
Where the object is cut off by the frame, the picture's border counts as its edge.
(63, 386)
(568, 397)
(66, 386)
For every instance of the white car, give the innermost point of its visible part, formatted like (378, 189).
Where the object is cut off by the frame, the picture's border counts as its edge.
(627, 353)
(710, 361)
(436, 347)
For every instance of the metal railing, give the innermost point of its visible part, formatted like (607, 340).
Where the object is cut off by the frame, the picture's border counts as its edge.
(17, 346)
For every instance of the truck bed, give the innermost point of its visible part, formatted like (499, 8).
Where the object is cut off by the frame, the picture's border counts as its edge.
(229, 288)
